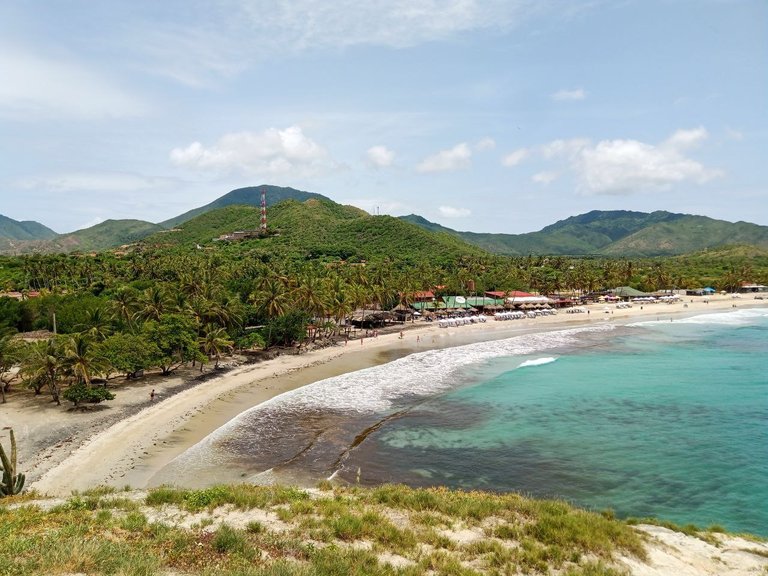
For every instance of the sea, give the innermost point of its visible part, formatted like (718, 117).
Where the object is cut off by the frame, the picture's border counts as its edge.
(662, 418)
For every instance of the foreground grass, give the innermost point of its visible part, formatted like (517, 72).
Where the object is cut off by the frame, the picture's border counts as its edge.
(258, 531)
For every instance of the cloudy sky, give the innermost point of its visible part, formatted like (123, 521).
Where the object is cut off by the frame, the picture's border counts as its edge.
(483, 115)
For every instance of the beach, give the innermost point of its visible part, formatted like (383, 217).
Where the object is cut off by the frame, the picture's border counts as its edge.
(128, 440)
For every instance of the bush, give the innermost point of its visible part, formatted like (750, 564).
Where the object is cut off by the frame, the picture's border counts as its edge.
(78, 393)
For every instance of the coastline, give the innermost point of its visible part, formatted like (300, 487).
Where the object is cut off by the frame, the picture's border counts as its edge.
(131, 447)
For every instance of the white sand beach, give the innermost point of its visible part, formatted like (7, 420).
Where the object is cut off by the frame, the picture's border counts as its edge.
(127, 440)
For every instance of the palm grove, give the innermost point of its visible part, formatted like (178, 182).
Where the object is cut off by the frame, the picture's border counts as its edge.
(160, 308)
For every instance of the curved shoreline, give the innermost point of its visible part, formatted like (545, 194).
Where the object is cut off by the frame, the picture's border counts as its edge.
(132, 450)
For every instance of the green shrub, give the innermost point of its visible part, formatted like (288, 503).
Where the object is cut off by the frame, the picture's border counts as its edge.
(78, 393)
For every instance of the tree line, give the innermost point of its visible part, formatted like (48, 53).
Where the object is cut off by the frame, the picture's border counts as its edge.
(118, 314)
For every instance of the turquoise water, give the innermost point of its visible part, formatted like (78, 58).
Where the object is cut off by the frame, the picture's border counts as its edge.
(664, 419)
(661, 419)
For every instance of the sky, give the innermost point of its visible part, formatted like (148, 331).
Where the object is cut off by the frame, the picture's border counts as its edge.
(482, 115)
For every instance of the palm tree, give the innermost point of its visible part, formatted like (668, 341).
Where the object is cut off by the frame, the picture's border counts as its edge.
(10, 353)
(310, 294)
(44, 366)
(82, 360)
(272, 298)
(124, 305)
(152, 304)
(97, 324)
(214, 342)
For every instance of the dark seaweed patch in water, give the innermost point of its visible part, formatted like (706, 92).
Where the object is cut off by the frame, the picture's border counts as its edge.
(519, 468)
(445, 413)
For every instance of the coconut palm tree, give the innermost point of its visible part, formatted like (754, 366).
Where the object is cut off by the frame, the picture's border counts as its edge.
(272, 298)
(44, 365)
(213, 342)
(82, 360)
(10, 353)
(124, 305)
(152, 304)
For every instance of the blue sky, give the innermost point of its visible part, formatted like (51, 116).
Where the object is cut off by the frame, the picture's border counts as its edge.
(483, 115)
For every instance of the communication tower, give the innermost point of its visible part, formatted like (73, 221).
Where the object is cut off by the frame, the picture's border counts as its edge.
(263, 211)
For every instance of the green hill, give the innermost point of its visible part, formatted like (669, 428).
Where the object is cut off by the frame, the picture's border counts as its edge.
(11, 229)
(107, 234)
(616, 233)
(103, 236)
(250, 196)
(688, 234)
(318, 229)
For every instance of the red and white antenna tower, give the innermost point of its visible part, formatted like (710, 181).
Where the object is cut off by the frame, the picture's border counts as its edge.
(263, 210)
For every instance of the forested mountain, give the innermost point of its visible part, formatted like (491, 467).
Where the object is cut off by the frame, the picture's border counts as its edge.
(616, 233)
(603, 233)
(318, 229)
(250, 196)
(11, 229)
(102, 236)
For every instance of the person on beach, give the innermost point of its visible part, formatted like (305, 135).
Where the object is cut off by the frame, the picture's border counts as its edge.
(401, 335)
(152, 395)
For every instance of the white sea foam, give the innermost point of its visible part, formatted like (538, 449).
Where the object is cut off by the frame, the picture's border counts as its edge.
(537, 362)
(738, 317)
(376, 389)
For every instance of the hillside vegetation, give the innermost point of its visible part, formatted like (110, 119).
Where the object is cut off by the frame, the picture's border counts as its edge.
(319, 229)
(249, 196)
(102, 236)
(11, 229)
(252, 530)
(616, 233)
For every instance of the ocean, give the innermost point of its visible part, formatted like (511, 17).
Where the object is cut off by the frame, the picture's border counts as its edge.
(665, 419)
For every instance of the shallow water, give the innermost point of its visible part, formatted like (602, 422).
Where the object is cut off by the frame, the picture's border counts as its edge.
(666, 419)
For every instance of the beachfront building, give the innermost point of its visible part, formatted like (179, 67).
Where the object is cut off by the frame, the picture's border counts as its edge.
(627, 293)
(752, 288)
(708, 291)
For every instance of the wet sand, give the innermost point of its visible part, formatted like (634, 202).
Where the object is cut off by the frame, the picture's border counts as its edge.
(130, 450)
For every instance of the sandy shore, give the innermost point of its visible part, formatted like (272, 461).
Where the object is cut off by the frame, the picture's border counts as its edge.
(131, 438)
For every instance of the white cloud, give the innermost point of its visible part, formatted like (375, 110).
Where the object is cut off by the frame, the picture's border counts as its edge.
(380, 156)
(569, 95)
(485, 144)
(629, 166)
(272, 151)
(516, 157)
(232, 35)
(304, 24)
(456, 158)
(687, 138)
(734, 134)
(93, 181)
(567, 148)
(451, 212)
(191, 56)
(36, 86)
(544, 177)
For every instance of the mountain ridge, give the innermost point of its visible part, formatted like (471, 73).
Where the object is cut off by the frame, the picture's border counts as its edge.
(598, 232)
(247, 196)
(616, 233)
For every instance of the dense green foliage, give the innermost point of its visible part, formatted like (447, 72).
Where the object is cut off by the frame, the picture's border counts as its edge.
(249, 196)
(80, 393)
(107, 234)
(11, 229)
(319, 229)
(180, 297)
(617, 233)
